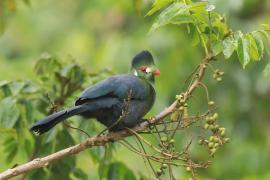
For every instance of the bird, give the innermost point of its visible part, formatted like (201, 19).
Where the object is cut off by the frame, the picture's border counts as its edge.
(118, 102)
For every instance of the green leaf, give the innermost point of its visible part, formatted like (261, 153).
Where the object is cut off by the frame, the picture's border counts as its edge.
(266, 26)
(229, 46)
(217, 47)
(9, 113)
(157, 5)
(10, 148)
(266, 71)
(253, 49)
(46, 65)
(80, 174)
(198, 7)
(9, 131)
(166, 16)
(194, 35)
(265, 35)
(16, 87)
(119, 171)
(243, 51)
(182, 19)
(259, 43)
(29, 110)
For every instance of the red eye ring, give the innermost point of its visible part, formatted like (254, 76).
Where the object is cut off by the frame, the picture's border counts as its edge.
(143, 68)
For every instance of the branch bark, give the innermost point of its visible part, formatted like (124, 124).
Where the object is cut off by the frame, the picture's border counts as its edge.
(103, 139)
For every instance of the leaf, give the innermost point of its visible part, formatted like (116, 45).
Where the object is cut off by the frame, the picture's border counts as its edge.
(194, 35)
(46, 65)
(119, 171)
(266, 26)
(243, 51)
(259, 43)
(170, 12)
(9, 131)
(266, 71)
(197, 7)
(3, 83)
(16, 87)
(265, 35)
(9, 113)
(80, 174)
(29, 110)
(217, 47)
(229, 46)
(253, 49)
(157, 5)
(182, 19)
(10, 148)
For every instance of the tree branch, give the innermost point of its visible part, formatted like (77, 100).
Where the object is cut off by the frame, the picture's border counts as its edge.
(103, 139)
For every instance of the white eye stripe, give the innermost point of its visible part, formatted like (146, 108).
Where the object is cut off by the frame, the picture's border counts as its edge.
(135, 73)
(148, 70)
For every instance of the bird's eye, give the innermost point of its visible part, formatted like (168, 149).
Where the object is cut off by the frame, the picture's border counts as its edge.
(148, 70)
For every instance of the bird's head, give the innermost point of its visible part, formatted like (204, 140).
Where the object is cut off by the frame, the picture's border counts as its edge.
(143, 66)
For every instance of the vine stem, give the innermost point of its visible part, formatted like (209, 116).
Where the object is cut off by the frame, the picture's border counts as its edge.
(104, 139)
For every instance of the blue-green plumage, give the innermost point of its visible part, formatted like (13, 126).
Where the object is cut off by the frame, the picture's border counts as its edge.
(128, 96)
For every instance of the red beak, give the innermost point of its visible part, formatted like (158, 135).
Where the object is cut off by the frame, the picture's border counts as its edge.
(156, 72)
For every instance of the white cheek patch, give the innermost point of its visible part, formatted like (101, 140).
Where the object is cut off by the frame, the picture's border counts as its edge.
(148, 70)
(135, 73)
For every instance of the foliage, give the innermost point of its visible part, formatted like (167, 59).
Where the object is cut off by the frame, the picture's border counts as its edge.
(25, 102)
(212, 30)
(59, 81)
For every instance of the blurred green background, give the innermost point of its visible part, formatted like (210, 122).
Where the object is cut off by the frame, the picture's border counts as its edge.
(106, 34)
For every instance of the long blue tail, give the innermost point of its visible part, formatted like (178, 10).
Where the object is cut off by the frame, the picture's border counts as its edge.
(50, 121)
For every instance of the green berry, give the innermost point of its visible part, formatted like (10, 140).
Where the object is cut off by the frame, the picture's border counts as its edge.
(211, 127)
(188, 169)
(211, 103)
(164, 166)
(164, 139)
(226, 140)
(211, 138)
(206, 126)
(172, 141)
(215, 116)
(213, 151)
(210, 144)
(159, 172)
(216, 140)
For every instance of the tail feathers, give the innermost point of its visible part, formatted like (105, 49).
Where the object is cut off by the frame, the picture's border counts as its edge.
(50, 121)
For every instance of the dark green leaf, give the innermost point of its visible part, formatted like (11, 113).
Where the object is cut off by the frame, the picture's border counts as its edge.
(119, 171)
(29, 111)
(80, 174)
(9, 113)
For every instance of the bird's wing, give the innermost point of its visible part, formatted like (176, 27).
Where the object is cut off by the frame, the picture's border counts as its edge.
(121, 86)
